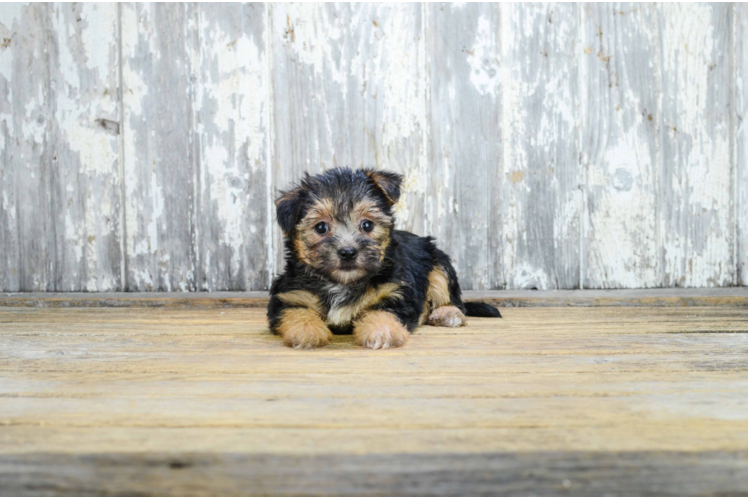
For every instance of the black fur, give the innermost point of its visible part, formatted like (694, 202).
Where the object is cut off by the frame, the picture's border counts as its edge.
(408, 259)
(481, 310)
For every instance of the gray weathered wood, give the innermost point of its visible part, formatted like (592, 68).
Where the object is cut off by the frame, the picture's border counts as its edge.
(544, 145)
(695, 179)
(160, 146)
(620, 144)
(541, 198)
(465, 93)
(27, 250)
(231, 126)
(526, 474)
(85, 184)
(740, 85)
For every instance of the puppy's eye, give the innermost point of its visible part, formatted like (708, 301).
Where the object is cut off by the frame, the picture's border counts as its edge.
(321, 228)
(367, 226)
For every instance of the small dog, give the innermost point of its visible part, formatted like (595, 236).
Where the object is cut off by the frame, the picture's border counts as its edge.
(349, 271)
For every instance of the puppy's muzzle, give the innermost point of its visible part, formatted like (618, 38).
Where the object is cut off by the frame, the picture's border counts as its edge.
(347, 254)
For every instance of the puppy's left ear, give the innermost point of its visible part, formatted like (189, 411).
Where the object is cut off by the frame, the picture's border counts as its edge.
(387, 182)
(288, 209)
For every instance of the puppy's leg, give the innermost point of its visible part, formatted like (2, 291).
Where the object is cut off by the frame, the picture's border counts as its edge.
(448, 316)
(379, 330)
(303, 329)
(443, 295)
(296, 317)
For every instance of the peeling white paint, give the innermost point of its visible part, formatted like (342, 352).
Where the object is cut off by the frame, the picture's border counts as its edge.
(527, 277)
(10, 12)
(231, 94)
(98, 43)
(311, 32)
(485, 72)
(696, 134)
(362, 74)
(34, 124)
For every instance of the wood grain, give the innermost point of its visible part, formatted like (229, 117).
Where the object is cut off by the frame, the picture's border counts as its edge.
(231, 126)
(160, 146)
(696, 225)
(465, 77)
(541, 201)
(544, 146)
(740, 51)
(657, 297)
(28, 263)
(85, 183)
(547, 474)
(573, 397)
(620, 112)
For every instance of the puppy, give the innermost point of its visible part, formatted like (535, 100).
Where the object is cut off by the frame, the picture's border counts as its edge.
(349, 271)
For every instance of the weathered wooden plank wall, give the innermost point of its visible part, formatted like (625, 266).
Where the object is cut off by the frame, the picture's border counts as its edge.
(621, 78)
(739, 33)
(544, 145)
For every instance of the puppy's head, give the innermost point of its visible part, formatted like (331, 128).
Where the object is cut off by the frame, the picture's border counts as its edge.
(340, 222)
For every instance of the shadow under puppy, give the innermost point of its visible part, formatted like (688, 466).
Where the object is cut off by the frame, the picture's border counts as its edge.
(349, 271)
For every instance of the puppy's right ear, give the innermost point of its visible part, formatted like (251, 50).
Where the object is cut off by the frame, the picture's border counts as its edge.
(288, 209)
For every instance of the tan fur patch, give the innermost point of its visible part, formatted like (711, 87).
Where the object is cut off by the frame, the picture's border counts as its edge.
(301, 251)
(368, 209)
(301, 298)
(373, 296)
(385, 242)
(320, 211)
(438, 292)
(448, 316)
(378, 180)
(425, 314)
(303, 329)
(379, 330)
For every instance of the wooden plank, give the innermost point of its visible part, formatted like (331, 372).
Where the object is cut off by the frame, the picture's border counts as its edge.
(740, 51)
(541, 200)
(84, 168)
(658, 297)
(27, 234)
(621, 87)
(160, 148)
(348, 91)
(695, 180)
(232, 103)
(210, 402)
(536, 474)
(235, 441)
(464, 64)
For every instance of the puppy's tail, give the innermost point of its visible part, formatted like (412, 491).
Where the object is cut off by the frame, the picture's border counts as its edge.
(481, 310)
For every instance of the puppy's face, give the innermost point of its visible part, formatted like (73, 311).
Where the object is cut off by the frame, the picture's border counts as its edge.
(339, 223)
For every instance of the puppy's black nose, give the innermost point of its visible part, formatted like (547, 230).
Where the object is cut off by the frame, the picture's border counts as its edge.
(347, 253)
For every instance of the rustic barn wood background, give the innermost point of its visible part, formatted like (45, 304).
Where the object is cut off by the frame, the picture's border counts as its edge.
(544, 145)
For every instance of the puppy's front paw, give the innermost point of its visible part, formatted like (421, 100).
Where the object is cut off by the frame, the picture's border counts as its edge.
(380, 330)
(303, 329)
(448, 316)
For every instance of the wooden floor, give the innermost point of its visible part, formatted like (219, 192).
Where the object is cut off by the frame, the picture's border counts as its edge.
(595, 400)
